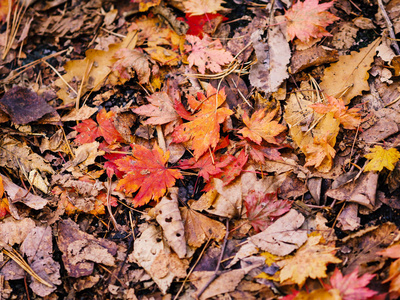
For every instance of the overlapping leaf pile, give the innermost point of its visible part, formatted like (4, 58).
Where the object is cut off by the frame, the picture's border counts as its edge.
(179, 152)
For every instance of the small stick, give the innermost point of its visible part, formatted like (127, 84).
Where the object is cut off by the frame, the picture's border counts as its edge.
(390, 27)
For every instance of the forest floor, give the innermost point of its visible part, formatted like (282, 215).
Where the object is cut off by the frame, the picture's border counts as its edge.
(200, 149)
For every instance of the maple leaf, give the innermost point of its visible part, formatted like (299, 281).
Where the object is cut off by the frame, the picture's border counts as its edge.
(161, 109)
(263, 209)
(89, 130)
(4, 208)
(201, 7)
(110, 165)
(144, 5)
(308, 19)
(203, 128)
(128, 60)
(259, 152)
(310, 260)
(349, 118)
(146, 171)
(394, 274)
(381, 158)
(319, 151)
(233, 168)
(199, 25)
(207, 53)
(261, 126)
(350, 286)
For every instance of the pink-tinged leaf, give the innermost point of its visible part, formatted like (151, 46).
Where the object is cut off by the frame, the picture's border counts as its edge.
(207, 54)
(161, 109)
(146, 171)
(351, 286)
(308, 20)
(263, 209)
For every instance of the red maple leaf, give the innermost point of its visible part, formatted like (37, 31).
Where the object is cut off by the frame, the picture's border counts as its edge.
(199, 25)
(146, 171)
(308, 19)
(351, 286)
(89, 130)
(261, 152)
(263, 209)
(203, 128)
(207, 53)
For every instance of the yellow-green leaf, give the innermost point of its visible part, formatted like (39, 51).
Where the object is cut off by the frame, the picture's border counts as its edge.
(381, 158)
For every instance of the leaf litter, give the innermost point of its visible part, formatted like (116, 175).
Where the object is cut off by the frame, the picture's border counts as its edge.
(199, 149)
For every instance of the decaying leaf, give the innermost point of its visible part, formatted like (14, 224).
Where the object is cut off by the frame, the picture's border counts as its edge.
(146, 171)
(201, 7)
(128, 60)
(203, 126)
(381, 158)
(169, 217)
(309, 261)
(308, 19)
(152, 254)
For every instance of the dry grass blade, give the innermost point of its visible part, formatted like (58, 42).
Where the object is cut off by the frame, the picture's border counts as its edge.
(15, 256)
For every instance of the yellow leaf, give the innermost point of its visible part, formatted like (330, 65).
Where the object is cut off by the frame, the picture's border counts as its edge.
(309, 261)
(381, 158)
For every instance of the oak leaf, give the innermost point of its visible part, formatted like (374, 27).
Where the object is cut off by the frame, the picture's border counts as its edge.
(263, 209)
(203, 126)
(160, 110)
(349, 118)
(381, 158)
(310, 260)
(146, 171)
(201, 7)
(89, 130)
(308, 20)
(350, 286)
(262, 126)
(207, 54)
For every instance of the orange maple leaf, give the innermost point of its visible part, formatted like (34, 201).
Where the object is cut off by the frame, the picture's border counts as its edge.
(308, 19)
(146, 171)
(203, 128)
(319, 151)
(89, 130)
(349, 118)
(261, 126)
(206, 53)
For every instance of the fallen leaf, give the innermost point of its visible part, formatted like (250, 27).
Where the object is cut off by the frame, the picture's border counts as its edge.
(152, 254)
(263, 209)
(145, 171)
(89, 130)
(381, 158)
(309, 261)
(161, 110)
(128, 60)
(349, 118)
(203, 127)
(348, 77)
(81, 250)
(262, 126)
(200, 228)
(308, 20)
(15, 231)
(351, 286)
(145, 5)
(169, 217)
(283, 236)
(201, 7)
(273, 56)
(203, 24)
(207, 53)
(320, 151)
(24, 105)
